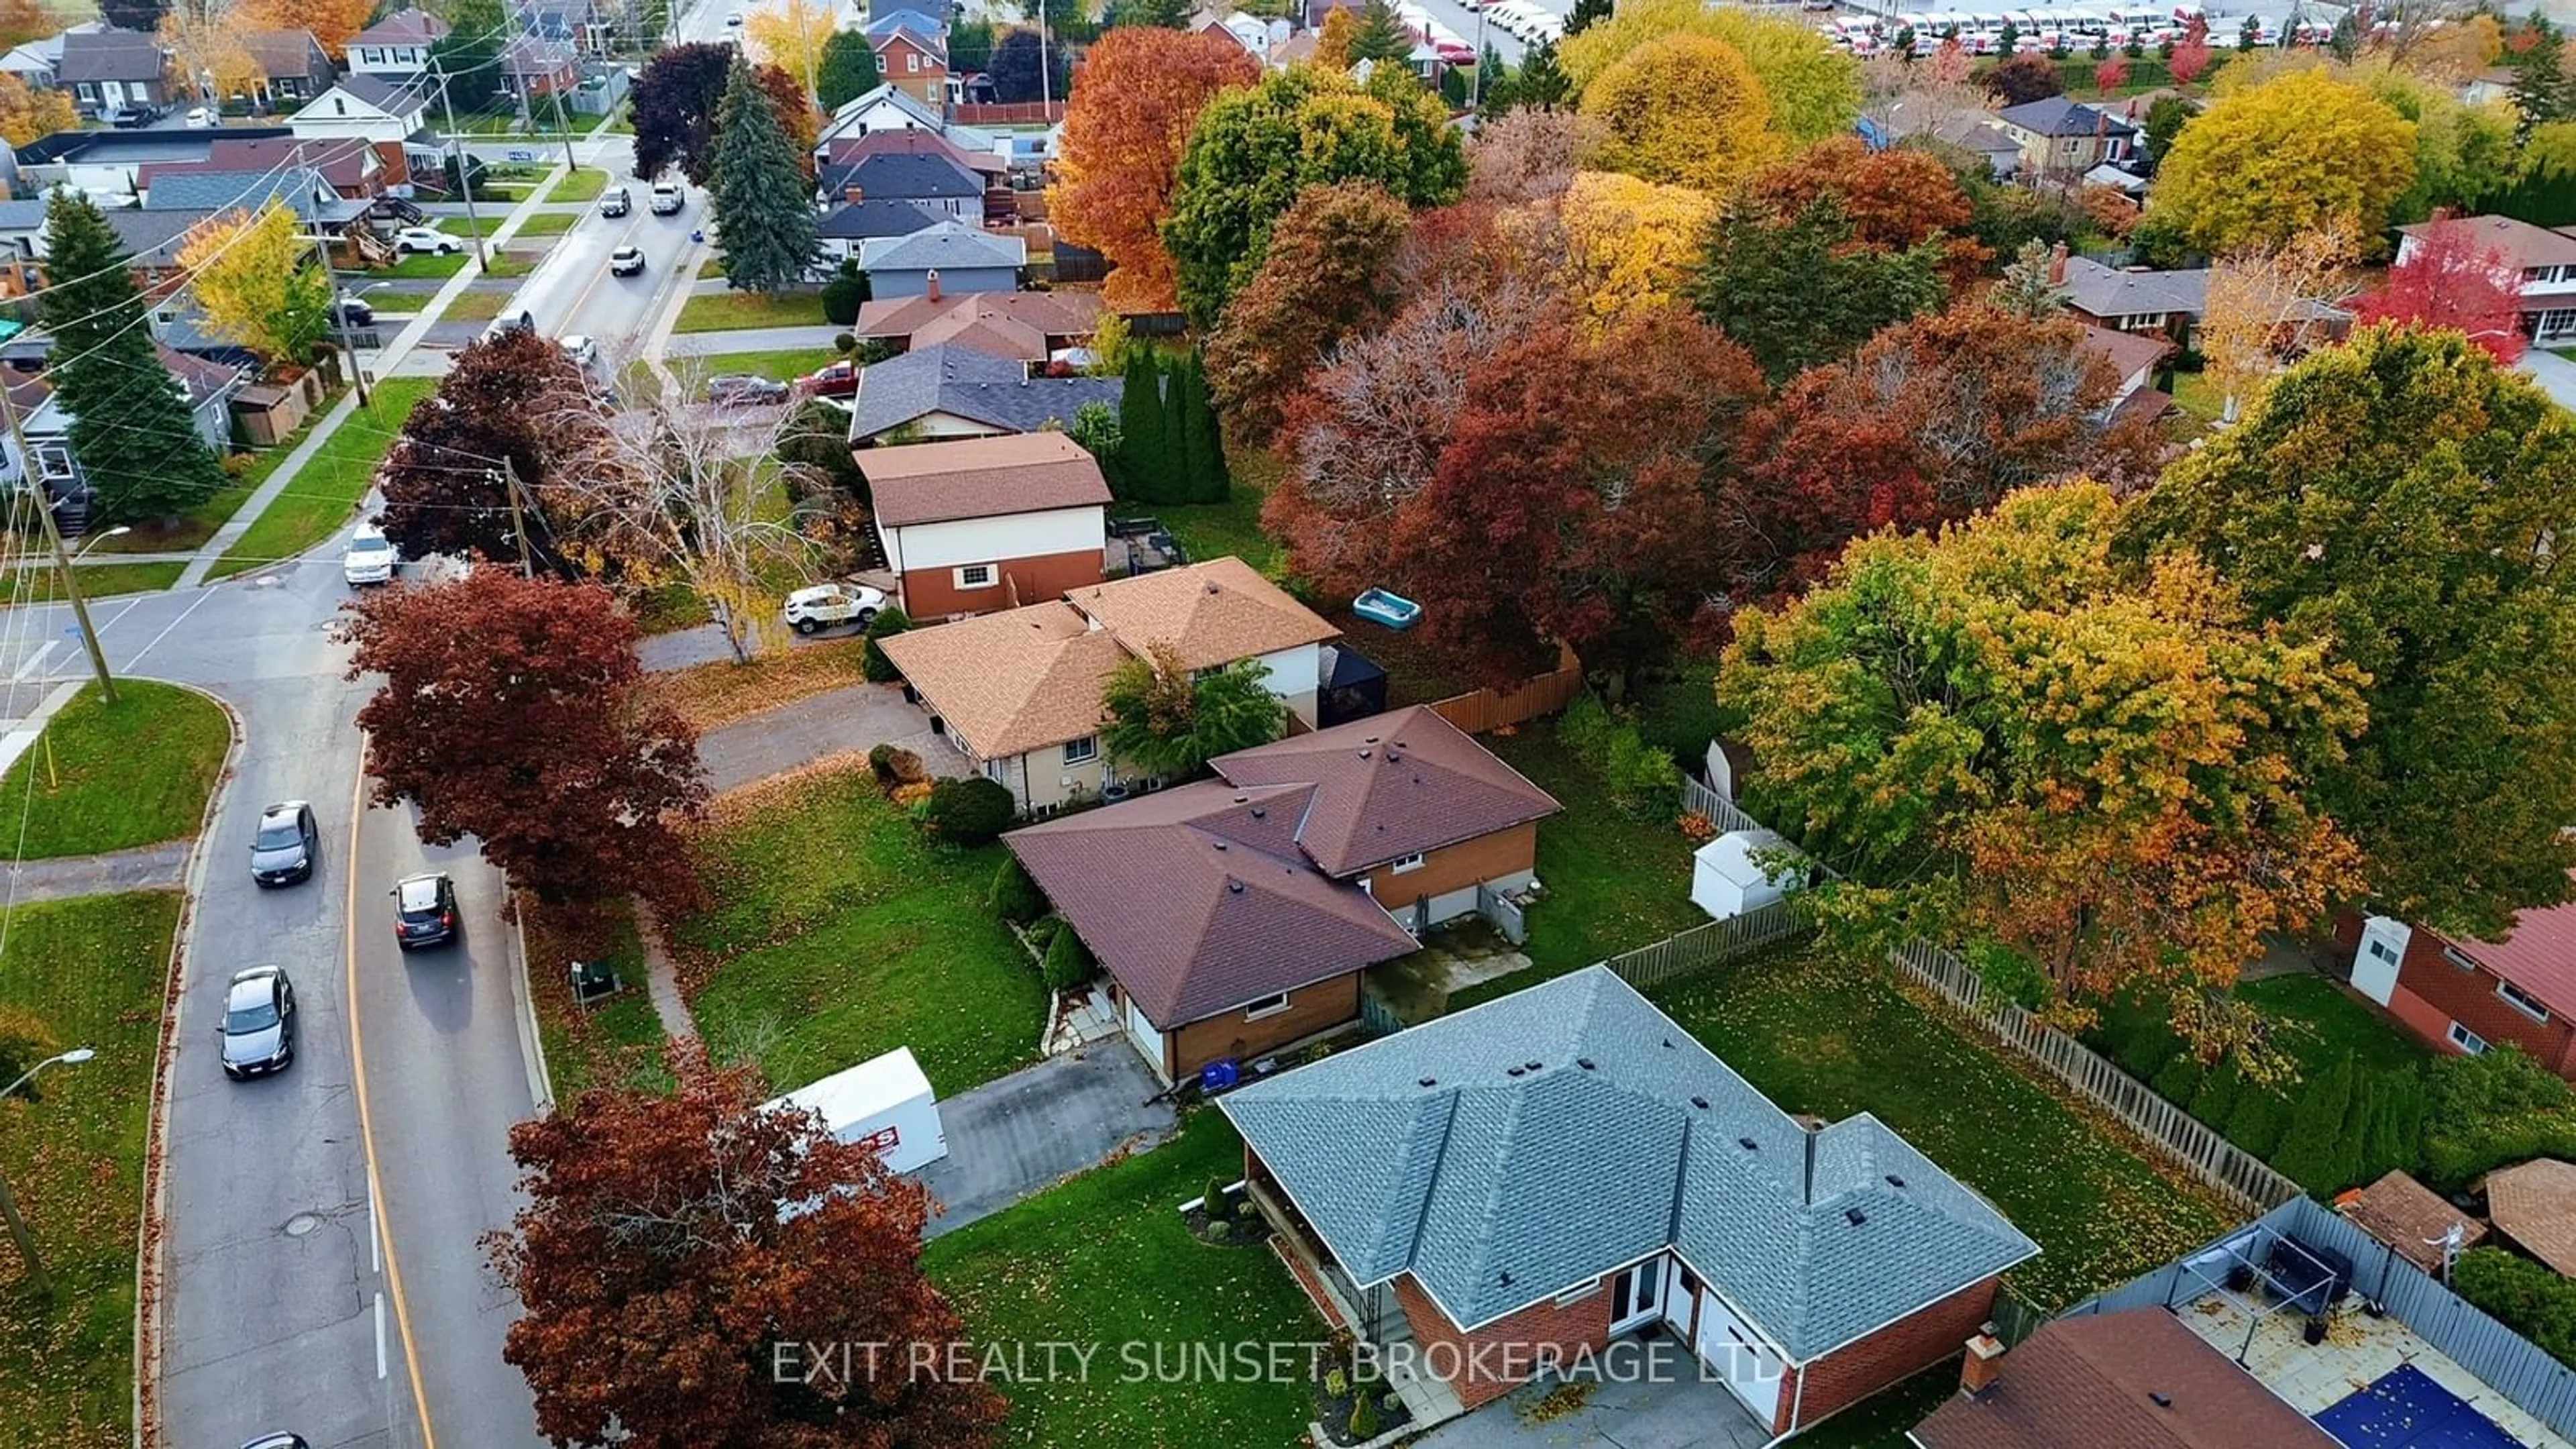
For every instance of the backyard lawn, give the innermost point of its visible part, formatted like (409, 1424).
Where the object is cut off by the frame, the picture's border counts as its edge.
(2326, 1025)
(85, 972)
(837, 932)
(111, 776)
(332, 482)
(1105, 1259)
(734, 311)
(1831, 1039)
(782, 365)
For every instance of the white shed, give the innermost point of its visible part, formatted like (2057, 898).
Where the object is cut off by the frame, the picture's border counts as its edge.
(884, 1103)
(1725, 880)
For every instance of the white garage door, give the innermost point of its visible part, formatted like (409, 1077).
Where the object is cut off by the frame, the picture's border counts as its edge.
(1750, 1368)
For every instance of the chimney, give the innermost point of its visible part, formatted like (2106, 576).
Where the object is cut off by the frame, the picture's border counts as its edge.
(1983, 1365)
(2056, 263)
(850, 193)
(934, 284)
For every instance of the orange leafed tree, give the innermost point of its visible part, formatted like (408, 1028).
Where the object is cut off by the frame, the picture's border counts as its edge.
(25, 20)
(331, 21)
(1893, 199)
(1143, 88)
(27, 114)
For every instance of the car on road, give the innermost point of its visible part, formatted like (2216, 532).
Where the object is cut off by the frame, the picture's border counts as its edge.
(616, 201)
(826, 605)
(669, 197)
(278, 1441)
(734, 19)
(424, 910)
(838, 379)
(743, 389)
(371, 558)
(258, 1029)
(504, 325)
(355, 311)
(584, 351)
(288, 842)
(627, 261)
(427, 239)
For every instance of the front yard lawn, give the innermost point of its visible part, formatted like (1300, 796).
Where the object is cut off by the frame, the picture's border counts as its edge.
(84, 972)
(39, 583)
(426, 265)
(837, 932)
(1104, 1259)
(737, 311)
(782, 365)
(192, 528)
(119, 775)
(582, 185)
(721, 692)
(548, 223)
(480, 306)
(1821, 1036)
(595, 1045)
(318, 499)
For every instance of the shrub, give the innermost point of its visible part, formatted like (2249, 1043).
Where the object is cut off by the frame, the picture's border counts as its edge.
(1068, 965)
(2217, 1095)
(2532, 1300)
(1642, 778)
(2485, 1111)
(2317, 1151)
(844, 344)
(908, 796)
(1246, 1211)
(2391, 1125)
(1043, 931)
(971, 811)
(1212, 1202)
(843, 295)
(1014, 896)
(889, 622)
(1364, 1418)
(1220, 1231)
(2179, 1079)
(2258, 1119)
(1336, 1382)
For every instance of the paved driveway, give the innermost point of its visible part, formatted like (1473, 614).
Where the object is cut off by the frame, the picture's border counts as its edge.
(1665, 1406)
(858, 718)
(1014, 1137)
(2555, 374)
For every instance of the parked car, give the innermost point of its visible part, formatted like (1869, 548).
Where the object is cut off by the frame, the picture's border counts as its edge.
(583, 351)
(428, 239)
(283, 851)
(505, 325)
(424, 910)
(669, 197)
(839, 379)
(131, 116)
(735, 19)
(826, 605)
(258, 1029)
(626, 261)
(615, 202)
(355, 311)
(371, 558)
(742, 389)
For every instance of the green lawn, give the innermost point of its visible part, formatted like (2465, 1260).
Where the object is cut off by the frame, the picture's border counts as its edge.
(85, 972)
(582, 185)
(734, 311)
(320, 497)
(2327, 1025)
(98, 580)
(1105, 1259)
(2197, 398)
(837, 932)
(1214, 530)
(548, 223)
(476, 306)
(192, 528)
(116, 775)
(595, 1045)
(1831, 1039)
(425, 265)
(512, 264)
(784, 365)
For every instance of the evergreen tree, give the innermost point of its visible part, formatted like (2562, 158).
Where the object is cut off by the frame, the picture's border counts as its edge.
(1382, 37)
(469, 55)
(1584, 13)
(1540, 81)
(1209, 482)
(131, 428)
(1495, 90)
(848, 69)
(763, 203)
(2313, 1151)
(1165, 14)
(2540, 89)
(2257, 1120)
(1141, 431)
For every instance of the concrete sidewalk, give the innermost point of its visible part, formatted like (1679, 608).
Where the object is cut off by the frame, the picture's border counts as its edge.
(756, 339)
(148, 867)
(1033, 1128)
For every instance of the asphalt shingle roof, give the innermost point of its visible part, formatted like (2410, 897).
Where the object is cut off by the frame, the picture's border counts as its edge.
(2058, 116)
(403, 27)
(2110, 292)
(994, 391)
(2089, 1381)
(878, 216)
(980, 478)
(903, 176)
(1486, 1184)
(1389, 786)
(111, 55)
(949, 246)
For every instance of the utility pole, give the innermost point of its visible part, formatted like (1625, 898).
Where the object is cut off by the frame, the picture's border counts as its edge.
(464, 177)
(1046, 78)
(340, 322)
(563, 124)
(37, 1278)
(518, 516)
(62, 561)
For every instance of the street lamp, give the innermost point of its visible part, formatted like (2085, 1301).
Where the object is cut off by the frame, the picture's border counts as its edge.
(76, 558)
(36, 1275)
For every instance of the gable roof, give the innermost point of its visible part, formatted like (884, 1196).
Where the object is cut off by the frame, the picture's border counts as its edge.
(886, 93)
(1389, 786)
(151, 239)
(2111, 292)
(1006, 324)
(2521, 243)
(283, 53)
(1470, 1152)
(949, 246)
(980, 478)
(301, 188)
(878, 216)
(398, 99)
(2089, 1381)
(931, 43)
(2056, 116)
(342, 160)
(2411, 1218)
(2534, 1203)
(887, 21)
(1011, 682)
(111, 55)
(535, 57)
(2129, 353)
(1211, 613)
(911, 175)
(1198, 900)
(403, 27)
(2538, 954)
(978, 386)
(849, 149)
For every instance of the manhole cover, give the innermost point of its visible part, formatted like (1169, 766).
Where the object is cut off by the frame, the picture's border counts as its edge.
(300, 1224)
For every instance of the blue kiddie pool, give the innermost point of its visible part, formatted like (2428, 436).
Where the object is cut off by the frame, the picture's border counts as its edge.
(1393, 611)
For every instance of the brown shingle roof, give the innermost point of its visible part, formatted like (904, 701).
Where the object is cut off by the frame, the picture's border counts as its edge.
(1211, 613)
(283, 53)
(1198, 900)
(2521, 243)
(980, 478)
(924, 321)
(2091, 1381)
(2535, 1205)
(2129, 353)
(1390, 786)
(1010, 682)
(2410, 1217)
(914, 143)
(403, 27)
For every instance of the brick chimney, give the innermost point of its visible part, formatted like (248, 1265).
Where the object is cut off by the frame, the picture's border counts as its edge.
(1983, 1365)
(933, 279)
(850, 193)
(2056, 263)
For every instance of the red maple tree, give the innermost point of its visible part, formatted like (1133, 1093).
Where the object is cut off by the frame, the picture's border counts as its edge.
(2111, 74)
(1893, 199)
(2190, 58)
(2446, 278)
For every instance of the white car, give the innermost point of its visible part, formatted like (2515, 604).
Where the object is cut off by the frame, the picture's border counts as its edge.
(824, 605)
(426, 239)
(371, 559)
(669, 197)
(583, 351)
(201, 117)
(734, 19)
(626, 261)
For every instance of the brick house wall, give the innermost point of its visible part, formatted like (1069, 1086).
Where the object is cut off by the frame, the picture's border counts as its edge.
(1453, 1355)
(932, 593)
(2434, 991)
(915, 72)
(1456, 867)
(1906, 1347)
(1320, 1007)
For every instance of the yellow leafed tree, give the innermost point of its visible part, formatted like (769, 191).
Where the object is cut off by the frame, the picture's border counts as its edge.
(26, 114)
(2290, 155)
(1814, 89)
(2267, 309)
(790, 34)
(1630, 243)
(207, 54)
(331, 21)
(256, 285)
(1685, 108)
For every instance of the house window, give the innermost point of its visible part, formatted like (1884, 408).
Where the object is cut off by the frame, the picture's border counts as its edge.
(2467, 1040)
(1266, 1006)
(998, 771)
(975, 576)
(2381, 951)
(2521, 1000)
(2459, 958)
(1406, 863)
(86, 91)
(55, 460)
(1082, 751)
(912, 62)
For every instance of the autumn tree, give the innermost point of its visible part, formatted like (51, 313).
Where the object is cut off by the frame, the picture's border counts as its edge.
(794, 107)
(332, 22)
(1333, 41)
(1893, 199)
(259, 285)
(444, 487)
(2262, 165)
(1631, 246)
(760, 196)
(791, 34)
(2019, 79)
(25, 20)
(1796, 291)
(1330, 271)
(2266, 308)
(1812, 90)
(2111, 74)
(1163, 719)
(203, 39)
(2446, 277)
(2190, 58)
(676, 101)
(514, 710)
(1254, 148)
(683, 1259)
(2007, 735)
(2395, 498)
(1529, 155)
(28, 114)
(846, 70)
(1683, 109)
(1120, 159)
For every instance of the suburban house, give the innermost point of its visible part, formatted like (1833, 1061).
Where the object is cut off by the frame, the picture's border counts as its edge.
(104, 68)
(109, 164)
(988, 523)
(912, 58)
(22, 241)
(1027, 326)
(953, 256)
(854, 148)
(954, 390)
(888, 108)
(938, 184)
(208, 386)
(2463, 995)
(391, 116)
(2533, 1207)
(533, 68)
(2134, 1378)
(1234, 916)
(2166, 303)
(1019, 692)
(2543, 257)
(2134, 356)
(1564, 1165)
(848, 227)
(396, 47)
(2059, 137)
(291, 64)
(318, 206)
(351, 166)
(151, 241)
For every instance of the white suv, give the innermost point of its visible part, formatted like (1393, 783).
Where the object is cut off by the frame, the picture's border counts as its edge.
(825, 605)
(668, 197)
(426, 239)
(371, 559)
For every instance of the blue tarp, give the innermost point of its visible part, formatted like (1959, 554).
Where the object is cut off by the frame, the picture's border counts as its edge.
(2405, 1409)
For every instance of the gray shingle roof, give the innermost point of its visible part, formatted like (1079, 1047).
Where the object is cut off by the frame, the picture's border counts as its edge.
(151, 238)
(2110, 292)
(900, 176)
(995, 391)
(404, 98)
(878, 216)
(2058, 116)
(22, 215)
(111, 55)
(1488, 1184)
(249, 190)
(949, 246)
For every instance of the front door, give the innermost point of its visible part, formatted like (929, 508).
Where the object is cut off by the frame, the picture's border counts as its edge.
(1635, 1294)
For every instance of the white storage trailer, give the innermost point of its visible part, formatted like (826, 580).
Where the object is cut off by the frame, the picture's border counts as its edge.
(884, 1103)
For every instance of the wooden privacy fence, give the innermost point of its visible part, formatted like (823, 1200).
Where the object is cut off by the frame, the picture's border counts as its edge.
(1701, 947)
(1006, 113)
(1487, 709)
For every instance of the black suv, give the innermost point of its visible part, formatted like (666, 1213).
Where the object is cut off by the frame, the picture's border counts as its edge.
(283, 851)
(258, 1028)
(424, 910)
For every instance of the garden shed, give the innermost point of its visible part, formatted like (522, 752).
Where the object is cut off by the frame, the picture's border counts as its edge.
(1726, 881)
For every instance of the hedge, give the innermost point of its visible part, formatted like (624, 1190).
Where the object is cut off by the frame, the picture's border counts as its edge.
(2532, 1300)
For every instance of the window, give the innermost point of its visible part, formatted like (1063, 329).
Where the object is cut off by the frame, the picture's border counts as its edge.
(975, 576)
(55, 459)
(911, 62)
(1406, 863)
(2521, 1000)
(1266, 1006)
(2380, 950)
(86, 91)
(2459, 958)
(998, 771)
(2467, 1040)
(1082, 751)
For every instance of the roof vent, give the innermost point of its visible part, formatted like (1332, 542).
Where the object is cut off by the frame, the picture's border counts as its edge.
(1533, 1066)
(1258, 813)
(1234, 886)
(1515, 1071)
(1748, 1144)
(1219, 844)
(1668, 1043)
(1428, 1082)
(1895, 1181)
(1584, 1062)
(1369, 740)
(1239, 799)
(1700, 1102)
(1507, 1280)
(1364, 754)
(2162, 1400)
(1211, 586)
(1854, 1216)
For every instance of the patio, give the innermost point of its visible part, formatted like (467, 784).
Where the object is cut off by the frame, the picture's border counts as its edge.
(1643, 1399)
